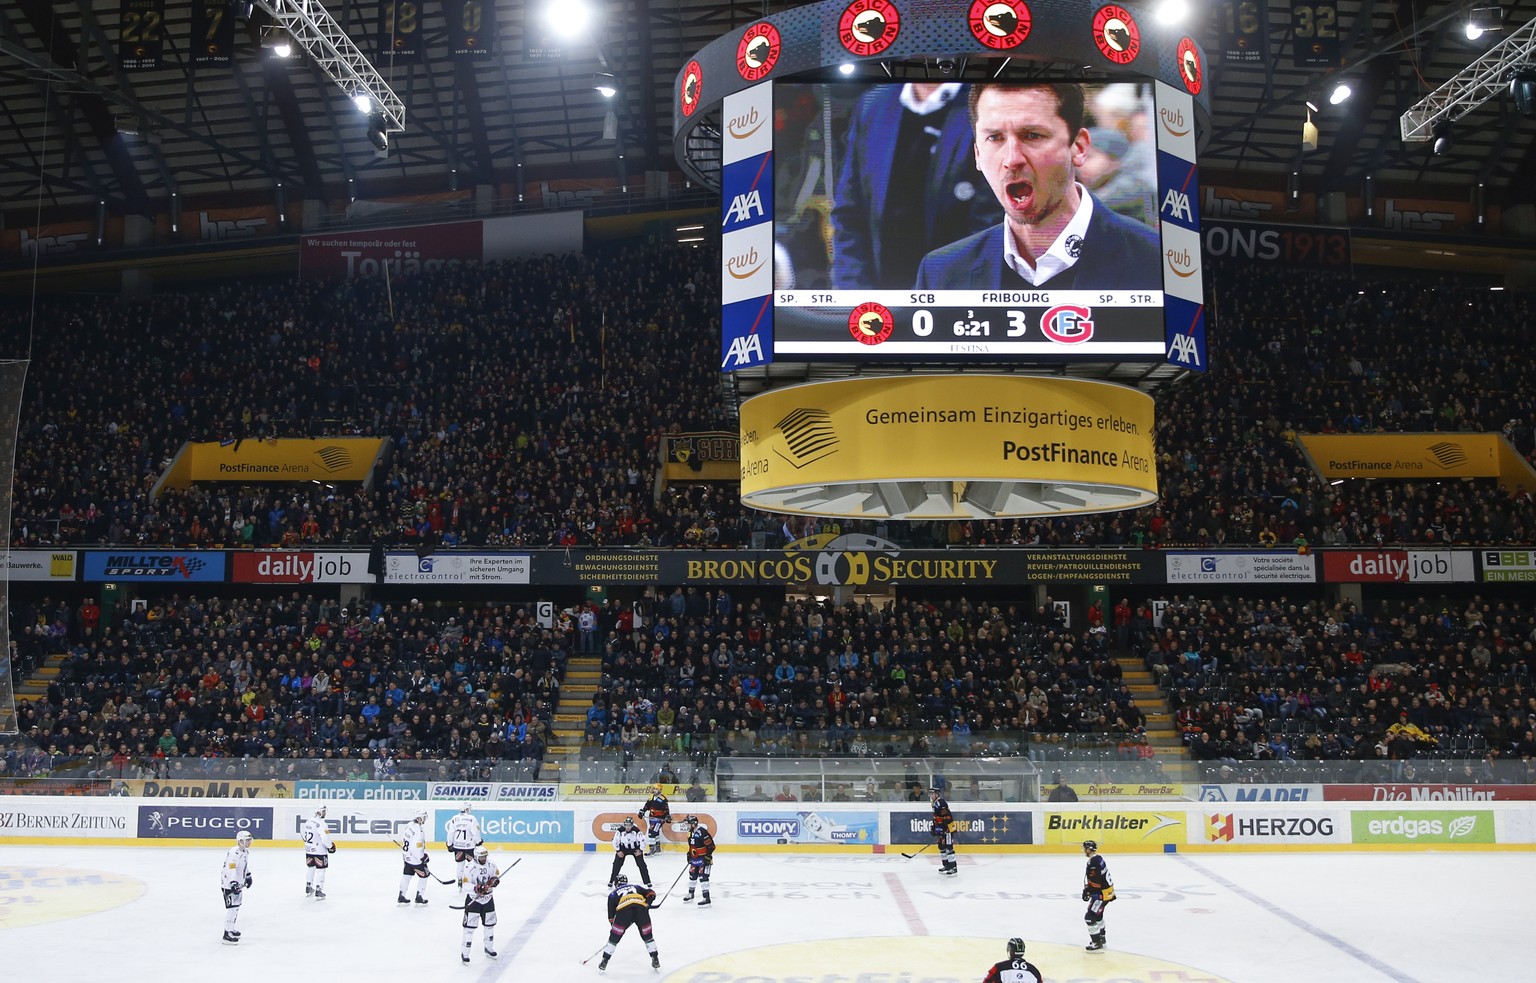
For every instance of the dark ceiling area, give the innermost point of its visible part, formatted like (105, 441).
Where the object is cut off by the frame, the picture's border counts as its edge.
(77, 129)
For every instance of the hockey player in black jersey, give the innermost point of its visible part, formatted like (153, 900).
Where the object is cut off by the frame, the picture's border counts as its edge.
(1014, 969)
(701, 859)
(944, 832)
(1098, 891)
(629, 904)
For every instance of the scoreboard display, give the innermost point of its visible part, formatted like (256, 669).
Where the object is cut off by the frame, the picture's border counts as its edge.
(869, 232)
(927, 188)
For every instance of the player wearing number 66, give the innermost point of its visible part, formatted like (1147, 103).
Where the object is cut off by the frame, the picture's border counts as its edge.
(1030, 142)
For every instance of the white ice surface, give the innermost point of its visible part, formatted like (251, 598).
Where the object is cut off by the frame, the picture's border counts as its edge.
(779, 918)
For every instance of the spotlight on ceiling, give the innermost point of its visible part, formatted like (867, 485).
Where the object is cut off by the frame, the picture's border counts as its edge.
(604, 83)
(846, 68)
(1481, 20)
(1444, 139)
(378, 135)
(1171, 12)
(567, 19)
(363, 102)
(1341, 92)
(1522, 89)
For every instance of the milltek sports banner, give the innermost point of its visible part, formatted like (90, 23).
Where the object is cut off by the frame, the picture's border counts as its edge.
(154, 565)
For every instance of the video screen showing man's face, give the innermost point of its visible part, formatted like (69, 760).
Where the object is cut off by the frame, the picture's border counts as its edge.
(1028, 153)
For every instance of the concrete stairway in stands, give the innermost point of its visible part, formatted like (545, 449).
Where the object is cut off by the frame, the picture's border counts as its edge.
(583, 675)
(1162, 732)
(35, 686)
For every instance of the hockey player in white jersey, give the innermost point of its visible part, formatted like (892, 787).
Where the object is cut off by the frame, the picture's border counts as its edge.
(413, 847)
(462, 837)
(234, 878)
(318, 848)
(480, 879)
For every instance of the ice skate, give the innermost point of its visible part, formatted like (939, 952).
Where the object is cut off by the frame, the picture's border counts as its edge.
(319, 894)
(655, 961)
(231, 937)
(402, 899)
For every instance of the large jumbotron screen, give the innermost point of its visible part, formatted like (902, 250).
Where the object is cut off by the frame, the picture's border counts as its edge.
(889, 233)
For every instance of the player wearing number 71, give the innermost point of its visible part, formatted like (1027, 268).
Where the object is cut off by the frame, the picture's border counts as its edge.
(1030, 141)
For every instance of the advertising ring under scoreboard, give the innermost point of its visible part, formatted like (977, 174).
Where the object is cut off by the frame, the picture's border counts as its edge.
(945, 325)
(948, 446)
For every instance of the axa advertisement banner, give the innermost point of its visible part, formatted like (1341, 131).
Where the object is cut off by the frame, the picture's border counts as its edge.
(1398, 566)
(1261, 793)
(110, 565)
(203, 822)
(24, 817)
(458, 568)
(361, 791)
(515, 826)
(993, 826)
(40, 565)
(1429, 793)
(849, 828)
(492, 792)
(1243, 568)
(1449, 827)
(300, 567)
(1142, 829)
(1251, 826)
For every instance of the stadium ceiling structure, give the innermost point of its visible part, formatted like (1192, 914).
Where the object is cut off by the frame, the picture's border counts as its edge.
(78, 128)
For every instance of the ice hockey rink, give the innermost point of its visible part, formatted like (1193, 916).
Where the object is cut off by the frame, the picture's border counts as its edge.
(102, 913)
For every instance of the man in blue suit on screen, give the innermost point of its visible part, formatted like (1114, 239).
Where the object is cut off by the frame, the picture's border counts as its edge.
(1030, 141)
(908, 182)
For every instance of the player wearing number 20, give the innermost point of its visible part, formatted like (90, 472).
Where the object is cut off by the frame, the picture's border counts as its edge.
(1014, 969)
(318, 848)
(701, 859)
(629, 904)
(480, 878)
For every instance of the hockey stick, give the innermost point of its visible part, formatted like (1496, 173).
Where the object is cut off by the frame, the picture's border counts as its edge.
(594, 955)
(909, 856)
(499, 872)
(664, 897)
(429, 872)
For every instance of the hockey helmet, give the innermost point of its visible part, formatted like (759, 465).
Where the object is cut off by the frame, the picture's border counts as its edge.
(320, 813)
(629, 822)
(243, 839)
(466, 808)
(620, 881)
(1090, 846)
(1015, 948)
(482, 855)
(421, 817)
(690, 821)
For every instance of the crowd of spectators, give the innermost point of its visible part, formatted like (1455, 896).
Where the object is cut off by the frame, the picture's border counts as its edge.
(809, 679)
(1307, 681)
(525, 403)
(210, 681)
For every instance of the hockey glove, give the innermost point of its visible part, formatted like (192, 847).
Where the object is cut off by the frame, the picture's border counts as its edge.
(1087, 894)
(247, 881)
(332, 848)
